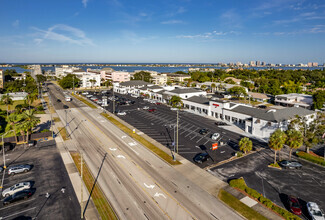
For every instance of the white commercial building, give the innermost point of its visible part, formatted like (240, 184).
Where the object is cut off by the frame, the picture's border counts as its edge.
(64, 70)
(294, 99)
(89, 80)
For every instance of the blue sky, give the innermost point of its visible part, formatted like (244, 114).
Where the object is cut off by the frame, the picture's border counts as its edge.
(196, 31)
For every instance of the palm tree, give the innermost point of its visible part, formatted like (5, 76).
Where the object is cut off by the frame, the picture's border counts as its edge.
(29, 121)
(30, 98)
(213, 86)
(176, 101)
(92, 81)
(6, 100)
(245, 145)
(277, 139)
(12, 120)
(294, 140)
(203, 87)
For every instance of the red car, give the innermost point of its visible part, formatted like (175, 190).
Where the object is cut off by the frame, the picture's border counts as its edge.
(294, 205)
(152, 110)
(158, 103)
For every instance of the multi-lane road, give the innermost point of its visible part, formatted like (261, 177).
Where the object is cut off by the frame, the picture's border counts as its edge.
(138, 184)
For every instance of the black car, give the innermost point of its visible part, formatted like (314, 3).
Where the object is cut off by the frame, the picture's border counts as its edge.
(220, 123)
(290, 164)
(24, 194)
(203, 131)
(201, 157)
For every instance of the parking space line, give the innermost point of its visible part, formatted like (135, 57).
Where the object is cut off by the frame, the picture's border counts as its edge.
(206, 142)
(17, 213)
(193, 137)
(190, 133)
(187, 129)
(15, 204)
(202, 137)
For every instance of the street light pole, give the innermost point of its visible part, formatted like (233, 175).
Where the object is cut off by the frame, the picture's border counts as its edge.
(177, 132)
(81, 197)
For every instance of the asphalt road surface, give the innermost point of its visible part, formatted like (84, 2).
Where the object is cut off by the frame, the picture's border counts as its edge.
(137, 183)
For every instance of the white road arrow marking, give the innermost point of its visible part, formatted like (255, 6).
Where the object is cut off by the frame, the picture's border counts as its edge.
(120, 156)
(112, 149)
(150, 186)
(124, 136)
(197, 147)
(132, 144)
(159, 194)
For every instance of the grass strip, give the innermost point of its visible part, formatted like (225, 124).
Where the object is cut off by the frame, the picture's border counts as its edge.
(50, 107)
(240, 207)
(84, 101)
(56, 119)
(63, 133)
(102, 205)
(311, 158)
(162, 154)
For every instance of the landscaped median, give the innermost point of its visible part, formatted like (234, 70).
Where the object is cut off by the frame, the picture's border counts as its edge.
(84, 101)
(102, 205)
(162, 154)
(238, 206)
(311, 158)
(63, 133)
(241, 185)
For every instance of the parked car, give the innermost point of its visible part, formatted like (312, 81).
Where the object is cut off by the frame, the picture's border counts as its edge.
(1, 169)
(88, 96)
(290, 164)
(30, 143)
(314, 211)
(146, 107)
(215, 136)
(152, 110)
(19, 169)
(294, 205)
(220, 123)
(121, 113)
(58, 100)
(24, 194)
(85, 93)
(201, 157)
(203, 131)
(158, 103)
(16, 188)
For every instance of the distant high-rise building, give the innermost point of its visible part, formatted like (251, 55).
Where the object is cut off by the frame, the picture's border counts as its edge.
(263, 63)
(309, 64)
(258, 63)
(239, 64)
(315, 64)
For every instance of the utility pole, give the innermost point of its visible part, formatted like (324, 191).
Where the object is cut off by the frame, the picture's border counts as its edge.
(177, 132)
(73, 83)
(81, 197)
(113, 101)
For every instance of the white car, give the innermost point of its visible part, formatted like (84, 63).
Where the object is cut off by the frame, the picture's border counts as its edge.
(85, 93)
(121, 113)
(16, 188)
(215, 136)
(145, 99)
(88, 96)
(314, 211)
(145, 108)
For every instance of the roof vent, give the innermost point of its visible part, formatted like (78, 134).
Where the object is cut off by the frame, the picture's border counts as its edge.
(271, 110)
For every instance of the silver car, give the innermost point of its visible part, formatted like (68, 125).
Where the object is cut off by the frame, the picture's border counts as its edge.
(19, 169)
(290, 164)
(16, 188)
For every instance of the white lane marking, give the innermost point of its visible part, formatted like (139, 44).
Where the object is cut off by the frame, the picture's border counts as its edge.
(16, 204)
(149, 186)
(120, 156)
(198, 147)
(123, 136)
(102, 121)
(26, 210)
(159, 194)
(134, 150)
(113, 149)
(222, 152)
(132, 143)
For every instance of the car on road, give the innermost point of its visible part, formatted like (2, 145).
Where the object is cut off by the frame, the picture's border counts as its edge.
(19, 169)
(121, 113)
(152, 110)
(294, 205)
(145, 108)
(24, 194)
(203, 131)
(290, 164)
(201, 157)
(215, 136)
(58, 100)
(16, 188)
(314, 211)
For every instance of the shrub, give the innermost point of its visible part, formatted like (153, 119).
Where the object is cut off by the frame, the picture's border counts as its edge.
(239, 153)
(238, 183)
(45, 130)
(252, 192)
(311, 158)
(40, 108)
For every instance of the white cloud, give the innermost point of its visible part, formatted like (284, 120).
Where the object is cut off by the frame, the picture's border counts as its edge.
(63, 33)
(84, 3)
(208, 35)
(15, 23)
(172, 22)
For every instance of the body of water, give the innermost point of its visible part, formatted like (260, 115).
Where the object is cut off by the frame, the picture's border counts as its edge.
(158, 69)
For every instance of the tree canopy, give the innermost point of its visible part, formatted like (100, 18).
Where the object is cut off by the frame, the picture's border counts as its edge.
(319, 99)
(67, 81)
(142, 75)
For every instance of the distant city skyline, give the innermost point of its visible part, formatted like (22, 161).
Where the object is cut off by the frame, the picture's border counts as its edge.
(171, 31)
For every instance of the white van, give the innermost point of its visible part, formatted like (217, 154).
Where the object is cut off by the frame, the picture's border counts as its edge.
(68, 98)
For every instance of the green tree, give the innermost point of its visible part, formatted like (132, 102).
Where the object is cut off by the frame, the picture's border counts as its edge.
(92, 81)
(6, 100)
(294, 140)
(237, 91)
(245, 144)
(176, 101)
(319, 99)
(213, 87)
(230, 81)
(30, 98)
(142, 75)
(203, 87)
(13, 119)
(40, 78)
(248, 85)
(276, 141)
(67, 81)
(29, 121)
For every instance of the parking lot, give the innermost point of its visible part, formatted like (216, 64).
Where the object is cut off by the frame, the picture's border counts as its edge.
(48, 177)
(307, 184)
(160, 125)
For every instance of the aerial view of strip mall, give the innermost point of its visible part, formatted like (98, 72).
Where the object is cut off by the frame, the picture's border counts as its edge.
(152, 110)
